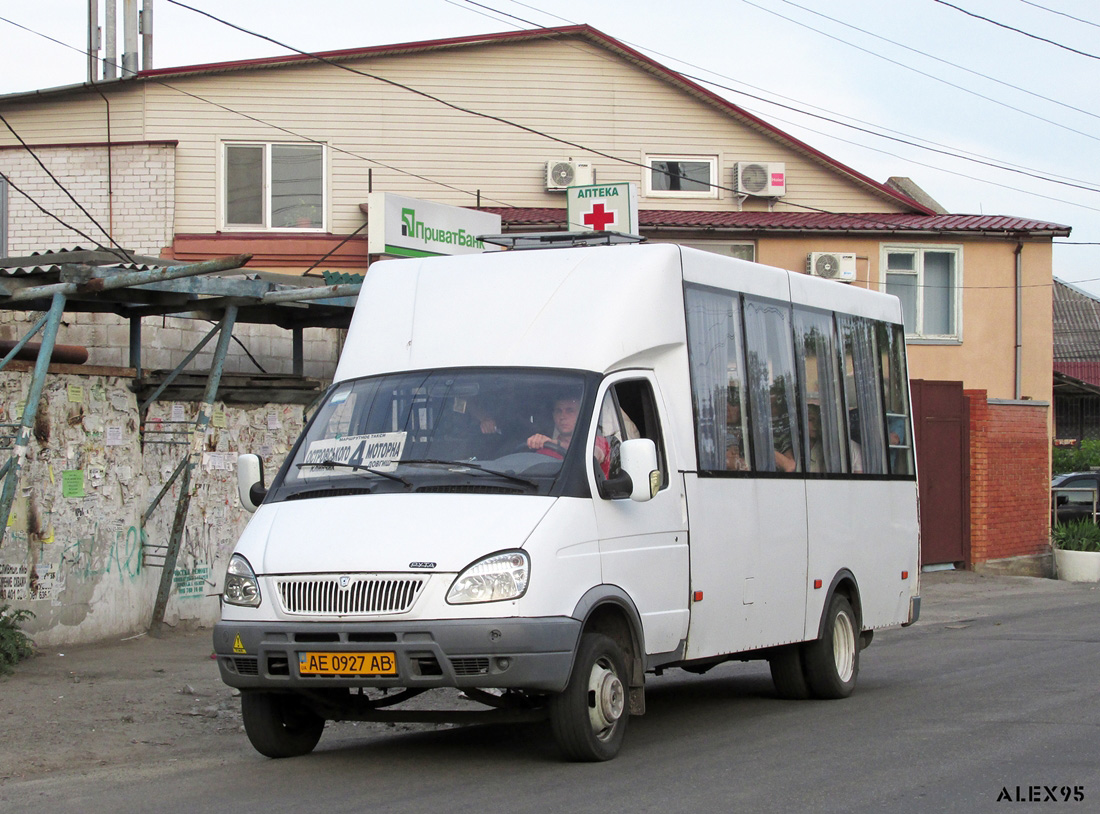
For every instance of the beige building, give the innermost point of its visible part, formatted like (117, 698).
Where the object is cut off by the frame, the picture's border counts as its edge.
(276, 157)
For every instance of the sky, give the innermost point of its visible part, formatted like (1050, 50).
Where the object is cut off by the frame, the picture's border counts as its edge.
(986, 119)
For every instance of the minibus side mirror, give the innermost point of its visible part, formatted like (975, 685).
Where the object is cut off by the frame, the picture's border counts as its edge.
(250, 481)
(639, 479)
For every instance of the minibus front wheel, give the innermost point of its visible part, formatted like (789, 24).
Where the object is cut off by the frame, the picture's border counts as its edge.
(280, 724)
(589, 717)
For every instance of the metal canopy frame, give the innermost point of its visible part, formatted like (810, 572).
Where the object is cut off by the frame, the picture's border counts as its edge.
(99, 281)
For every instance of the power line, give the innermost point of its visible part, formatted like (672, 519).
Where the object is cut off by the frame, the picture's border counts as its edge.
(123, 253)
(866, 217)
(918, 71)
(1011, 28)
(943, 61)
(938, 169)
(965, 155)
(948, 153)
(1060, 13)
(43, 209)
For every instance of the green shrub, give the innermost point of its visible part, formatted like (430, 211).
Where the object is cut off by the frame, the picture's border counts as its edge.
(1076, 459)
(1080, 535)
(14, 644)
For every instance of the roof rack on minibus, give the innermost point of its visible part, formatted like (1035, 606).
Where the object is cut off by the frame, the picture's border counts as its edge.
(559, 240)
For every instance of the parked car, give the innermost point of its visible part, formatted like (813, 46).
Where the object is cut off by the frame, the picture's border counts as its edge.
(1075, 505)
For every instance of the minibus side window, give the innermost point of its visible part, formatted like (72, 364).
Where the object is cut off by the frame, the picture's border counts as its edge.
(895, 385)
(628, 411)
(717, 362)
(862, 395)
(773, 394)
(821, 408)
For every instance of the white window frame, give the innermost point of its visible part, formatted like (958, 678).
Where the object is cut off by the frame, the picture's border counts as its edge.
(711, 192)
(222, 180)
(917, 336)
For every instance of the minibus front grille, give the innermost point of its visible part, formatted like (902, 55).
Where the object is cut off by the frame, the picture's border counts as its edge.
(360, 595)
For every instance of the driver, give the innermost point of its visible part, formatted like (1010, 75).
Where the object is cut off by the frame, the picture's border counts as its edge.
(566, 411)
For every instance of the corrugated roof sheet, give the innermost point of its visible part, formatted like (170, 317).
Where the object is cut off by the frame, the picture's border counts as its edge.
(1076, 333)
(802, 221)
(53, 259)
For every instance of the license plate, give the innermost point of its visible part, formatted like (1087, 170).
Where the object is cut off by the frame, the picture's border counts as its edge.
(347, 664)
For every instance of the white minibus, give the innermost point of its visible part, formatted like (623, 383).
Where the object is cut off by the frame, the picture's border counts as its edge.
(540, 475)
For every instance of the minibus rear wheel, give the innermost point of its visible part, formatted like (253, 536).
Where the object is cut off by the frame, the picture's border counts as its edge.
(589, 717)
(832, 662)
(279, 724)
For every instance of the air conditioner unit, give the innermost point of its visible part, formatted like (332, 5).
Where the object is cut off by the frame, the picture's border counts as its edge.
(764, 180)
(832, 266)
(568, 173)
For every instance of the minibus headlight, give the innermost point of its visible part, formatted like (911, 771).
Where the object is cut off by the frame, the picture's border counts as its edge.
(241, 585)
(501, 576)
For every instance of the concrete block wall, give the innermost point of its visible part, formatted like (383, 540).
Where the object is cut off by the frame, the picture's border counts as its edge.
(1009, 479)
(75, 551)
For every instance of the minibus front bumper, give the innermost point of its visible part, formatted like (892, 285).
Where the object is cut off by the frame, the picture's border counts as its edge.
(531, 653)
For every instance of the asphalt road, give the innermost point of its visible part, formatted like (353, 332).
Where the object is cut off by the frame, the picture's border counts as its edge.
(994, 692)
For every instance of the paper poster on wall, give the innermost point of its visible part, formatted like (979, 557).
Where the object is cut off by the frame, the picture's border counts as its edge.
(76, 393)
(114, 436)
(72, 483)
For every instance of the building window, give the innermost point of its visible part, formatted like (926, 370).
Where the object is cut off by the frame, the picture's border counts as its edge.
(274, 186)
(681, 176)
(927, 281)
(740, 249)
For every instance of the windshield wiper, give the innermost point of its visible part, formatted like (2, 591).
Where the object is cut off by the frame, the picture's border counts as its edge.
(358, 468)
(474, 466)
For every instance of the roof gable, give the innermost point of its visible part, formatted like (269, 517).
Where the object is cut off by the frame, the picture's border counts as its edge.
(590, 35)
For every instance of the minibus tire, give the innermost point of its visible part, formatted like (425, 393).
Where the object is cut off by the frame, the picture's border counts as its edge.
(787, 674)
(280, 725)
(588, 719)
(832, 662)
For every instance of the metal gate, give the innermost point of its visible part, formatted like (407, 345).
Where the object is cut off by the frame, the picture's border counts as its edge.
(941, 425)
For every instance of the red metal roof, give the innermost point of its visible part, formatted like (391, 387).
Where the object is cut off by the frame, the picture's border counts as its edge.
(802, 221)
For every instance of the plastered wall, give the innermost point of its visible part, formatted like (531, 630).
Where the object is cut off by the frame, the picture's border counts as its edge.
(75, 552)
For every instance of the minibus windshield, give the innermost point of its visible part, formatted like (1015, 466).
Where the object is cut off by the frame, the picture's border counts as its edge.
(499, 430)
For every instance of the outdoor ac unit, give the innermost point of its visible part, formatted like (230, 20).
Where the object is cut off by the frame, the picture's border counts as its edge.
(568, 173)
(765, 180)
(832, 265)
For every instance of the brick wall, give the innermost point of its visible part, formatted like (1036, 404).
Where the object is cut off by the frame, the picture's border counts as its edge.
(1009, 479)
(140, 215)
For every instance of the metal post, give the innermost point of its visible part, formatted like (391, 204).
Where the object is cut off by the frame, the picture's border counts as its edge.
(93, 41)
(297, 351)
(110, 57)
(135, 345)
(38, 383)
(198, 437)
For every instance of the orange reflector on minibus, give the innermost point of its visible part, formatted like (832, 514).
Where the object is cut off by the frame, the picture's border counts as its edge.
(817, 583)
(698, 596)
(905, 575)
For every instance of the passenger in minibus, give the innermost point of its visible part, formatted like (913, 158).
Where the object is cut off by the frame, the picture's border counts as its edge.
(566, 411)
